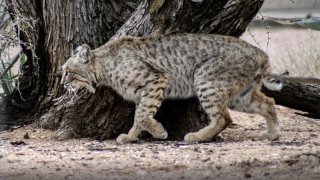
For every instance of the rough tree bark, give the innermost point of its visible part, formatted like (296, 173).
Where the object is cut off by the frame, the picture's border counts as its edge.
(105, 114)
(59, 24)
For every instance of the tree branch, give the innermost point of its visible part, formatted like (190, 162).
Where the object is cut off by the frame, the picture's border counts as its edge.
(298, 93)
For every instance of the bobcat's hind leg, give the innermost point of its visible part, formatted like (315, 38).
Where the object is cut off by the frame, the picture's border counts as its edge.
(265, 106)
(214, 101)
(255, 101)
(151, 99)
(220, 120)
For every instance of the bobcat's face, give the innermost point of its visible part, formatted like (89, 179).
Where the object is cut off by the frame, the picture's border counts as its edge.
(77, 73)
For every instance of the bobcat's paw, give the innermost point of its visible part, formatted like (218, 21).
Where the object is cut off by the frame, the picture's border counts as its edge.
(269, 136)
(156, 130)
(123, 138)
(191, 138)
(161, 135)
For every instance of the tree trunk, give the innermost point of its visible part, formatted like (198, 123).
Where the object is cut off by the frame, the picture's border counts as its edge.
(58, 25)
(105, 114)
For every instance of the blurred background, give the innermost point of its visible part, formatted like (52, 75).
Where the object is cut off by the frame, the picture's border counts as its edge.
(289, 31)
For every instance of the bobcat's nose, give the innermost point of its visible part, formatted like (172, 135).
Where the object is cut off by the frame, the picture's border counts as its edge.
(277, 81)
(94, 85)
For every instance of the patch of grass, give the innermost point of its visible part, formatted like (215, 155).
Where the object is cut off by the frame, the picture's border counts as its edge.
(302, 59)
(9, 39)
(6, 81)
(7, 77)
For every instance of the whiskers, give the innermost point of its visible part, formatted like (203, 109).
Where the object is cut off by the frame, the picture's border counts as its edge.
(70, 97)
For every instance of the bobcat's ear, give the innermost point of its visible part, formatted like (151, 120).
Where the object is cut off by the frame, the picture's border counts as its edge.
(85, 54)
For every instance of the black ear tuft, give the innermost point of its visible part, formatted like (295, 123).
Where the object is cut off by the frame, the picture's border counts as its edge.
(74, 49)
(85, 53)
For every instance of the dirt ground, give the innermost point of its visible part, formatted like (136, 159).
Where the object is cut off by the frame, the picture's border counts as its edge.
(30, 153)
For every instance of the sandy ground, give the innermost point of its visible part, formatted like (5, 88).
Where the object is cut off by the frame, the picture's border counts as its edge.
(29, 153)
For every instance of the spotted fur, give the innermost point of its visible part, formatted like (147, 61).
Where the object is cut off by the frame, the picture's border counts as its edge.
(221, 71)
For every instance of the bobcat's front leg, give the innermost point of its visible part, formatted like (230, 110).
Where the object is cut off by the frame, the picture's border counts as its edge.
(151, 98)
(131, 136)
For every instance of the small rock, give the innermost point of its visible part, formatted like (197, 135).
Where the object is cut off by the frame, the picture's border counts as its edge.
(84, 164)
(17, 143)
(313, 135)
(88, 158)
(205, 159)
(196, 149)
(235, 126)
(143, 154)
(247, 175)
(26, 136)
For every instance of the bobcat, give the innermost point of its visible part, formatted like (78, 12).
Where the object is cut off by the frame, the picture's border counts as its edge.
(223, 72)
